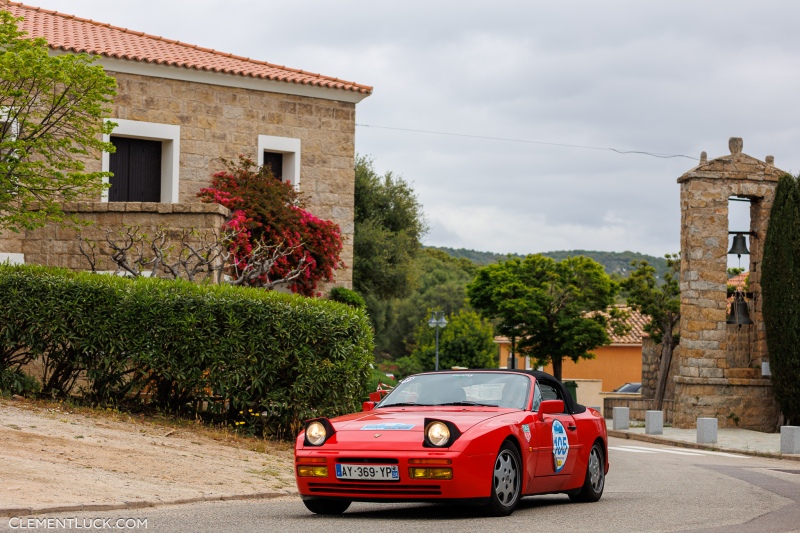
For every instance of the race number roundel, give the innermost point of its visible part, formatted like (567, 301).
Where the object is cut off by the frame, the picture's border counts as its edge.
(560, 446)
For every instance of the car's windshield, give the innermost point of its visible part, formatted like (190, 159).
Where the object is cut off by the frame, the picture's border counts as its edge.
(461, 388)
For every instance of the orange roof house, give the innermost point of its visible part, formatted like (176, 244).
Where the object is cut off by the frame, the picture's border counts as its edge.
(191, 107)
(615, 364)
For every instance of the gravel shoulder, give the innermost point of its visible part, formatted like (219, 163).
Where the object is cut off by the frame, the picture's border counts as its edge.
(54, 455)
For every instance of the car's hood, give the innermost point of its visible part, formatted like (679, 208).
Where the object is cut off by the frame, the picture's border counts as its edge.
(401, 428)
(413, 418)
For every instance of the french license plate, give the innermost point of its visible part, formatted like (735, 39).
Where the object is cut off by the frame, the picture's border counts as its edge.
(368, 472)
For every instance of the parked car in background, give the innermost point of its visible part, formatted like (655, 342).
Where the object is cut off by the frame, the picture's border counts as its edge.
(630, 387)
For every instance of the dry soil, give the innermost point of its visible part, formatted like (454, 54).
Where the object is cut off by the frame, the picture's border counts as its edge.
(55, 455)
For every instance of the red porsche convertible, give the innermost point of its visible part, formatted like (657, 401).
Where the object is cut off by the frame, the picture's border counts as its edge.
(486, 437)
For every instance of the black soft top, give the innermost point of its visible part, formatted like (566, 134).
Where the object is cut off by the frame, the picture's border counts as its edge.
(570, 405)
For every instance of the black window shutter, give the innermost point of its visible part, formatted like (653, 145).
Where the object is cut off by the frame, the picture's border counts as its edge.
(275, 162)
(137, 170)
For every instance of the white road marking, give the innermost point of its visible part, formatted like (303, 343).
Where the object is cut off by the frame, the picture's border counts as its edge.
(630, 450)
(642, 449)
(662, 450)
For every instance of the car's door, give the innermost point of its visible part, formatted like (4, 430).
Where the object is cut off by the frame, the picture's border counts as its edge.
(557, 438)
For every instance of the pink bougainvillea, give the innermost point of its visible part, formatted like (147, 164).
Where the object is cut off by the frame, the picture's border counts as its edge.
(264, 209)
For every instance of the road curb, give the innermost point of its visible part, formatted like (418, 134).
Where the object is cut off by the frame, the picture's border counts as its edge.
(58, 509)
(655, 439)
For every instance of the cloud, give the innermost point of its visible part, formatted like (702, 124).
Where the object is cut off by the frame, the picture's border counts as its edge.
(669, 78)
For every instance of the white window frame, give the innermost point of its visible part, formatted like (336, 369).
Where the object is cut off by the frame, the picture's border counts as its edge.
(170, 137)
(290, 148)
(5, 113)
(12, 258)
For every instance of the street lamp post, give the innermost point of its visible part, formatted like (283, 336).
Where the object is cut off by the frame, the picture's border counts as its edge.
(437, 321)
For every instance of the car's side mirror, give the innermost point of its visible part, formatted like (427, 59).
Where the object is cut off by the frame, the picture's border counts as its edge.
(375, 397)
(368, 406)
(550, 407)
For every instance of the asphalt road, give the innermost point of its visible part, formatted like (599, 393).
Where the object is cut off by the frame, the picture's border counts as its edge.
(649, 488)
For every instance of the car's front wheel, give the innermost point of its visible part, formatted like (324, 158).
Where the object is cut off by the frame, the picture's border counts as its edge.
(595, 477)
(506, 481)
(326, 507)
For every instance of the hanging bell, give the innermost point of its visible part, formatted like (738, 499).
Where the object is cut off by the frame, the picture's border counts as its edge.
(739, 246)
(740, 315)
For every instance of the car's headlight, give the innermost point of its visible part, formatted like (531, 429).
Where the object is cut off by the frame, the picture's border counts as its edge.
(438, 433)
(316, 433)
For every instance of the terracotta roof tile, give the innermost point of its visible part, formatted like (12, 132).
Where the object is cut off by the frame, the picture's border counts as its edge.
(739, 280)
(75, 34)
(636, 321)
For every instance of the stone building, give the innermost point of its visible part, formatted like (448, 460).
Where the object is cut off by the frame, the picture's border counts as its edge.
(723, 369)
(180, 110)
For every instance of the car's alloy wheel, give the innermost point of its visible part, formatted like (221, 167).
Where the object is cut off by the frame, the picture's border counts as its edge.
(506, 481)
(326, 507)
(595, 477)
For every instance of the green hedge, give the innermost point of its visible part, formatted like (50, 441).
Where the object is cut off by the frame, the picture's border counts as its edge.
(175, 345)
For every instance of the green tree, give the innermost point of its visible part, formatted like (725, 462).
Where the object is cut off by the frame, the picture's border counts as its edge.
(402, 367)
(554, 309)
(51, 120)
(441, 284)
(662, 303)
(467, 341)
(389, 224)
(780, 284)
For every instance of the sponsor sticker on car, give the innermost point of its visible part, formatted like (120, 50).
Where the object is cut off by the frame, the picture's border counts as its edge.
(387, 427)
(560, 445)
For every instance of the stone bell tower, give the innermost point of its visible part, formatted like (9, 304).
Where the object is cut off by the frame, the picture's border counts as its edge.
(720, 372)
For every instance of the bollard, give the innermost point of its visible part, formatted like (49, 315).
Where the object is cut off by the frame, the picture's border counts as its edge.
(654, 422)
(622, 418)
(707, 430)
(790, 439)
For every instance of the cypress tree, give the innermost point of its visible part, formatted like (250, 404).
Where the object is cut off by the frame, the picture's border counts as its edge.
(780, 285)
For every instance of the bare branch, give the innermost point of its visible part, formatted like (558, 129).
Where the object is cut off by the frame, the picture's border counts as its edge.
(254, 268)
(195, 256)
(91, 254)
(121, 243)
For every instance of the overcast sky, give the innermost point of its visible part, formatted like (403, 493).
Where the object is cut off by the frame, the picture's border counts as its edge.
(675, 77)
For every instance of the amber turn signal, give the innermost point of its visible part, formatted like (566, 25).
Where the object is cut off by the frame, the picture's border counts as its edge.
(430, 473)
(312, 471)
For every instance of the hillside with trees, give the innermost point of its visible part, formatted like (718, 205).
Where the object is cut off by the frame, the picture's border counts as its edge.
(618, 263)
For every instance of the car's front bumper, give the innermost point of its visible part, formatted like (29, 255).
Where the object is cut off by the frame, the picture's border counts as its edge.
(471, 480)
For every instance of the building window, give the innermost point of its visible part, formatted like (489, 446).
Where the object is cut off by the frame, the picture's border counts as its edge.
(146, 163)
(282, 154)
(274, 160)
(136, 165)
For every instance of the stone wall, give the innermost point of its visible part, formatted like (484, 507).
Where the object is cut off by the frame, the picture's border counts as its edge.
(54, 245)
(219, 122)
(714, 378)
